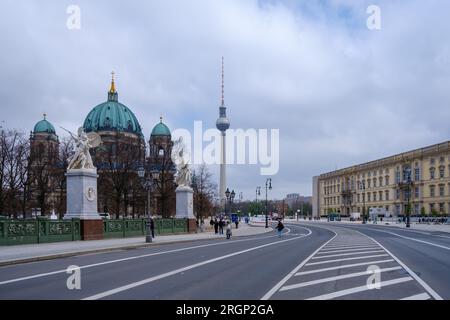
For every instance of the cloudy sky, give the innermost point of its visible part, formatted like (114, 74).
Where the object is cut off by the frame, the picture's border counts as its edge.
(338, 92)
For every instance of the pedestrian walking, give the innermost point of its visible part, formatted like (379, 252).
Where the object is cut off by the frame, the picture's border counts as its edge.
(237, 223)
(279, 228)
(221, 225)
(228, 230)
(216, 226)
(152, 227)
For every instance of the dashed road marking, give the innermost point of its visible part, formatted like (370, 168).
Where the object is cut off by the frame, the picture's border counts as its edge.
(420, 296)
(347, 254)
(346, 259)
(345, 292)
(360, 247)
(344, 266)
(344, 276)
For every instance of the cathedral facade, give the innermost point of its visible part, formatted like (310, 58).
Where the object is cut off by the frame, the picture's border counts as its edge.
(122, 152)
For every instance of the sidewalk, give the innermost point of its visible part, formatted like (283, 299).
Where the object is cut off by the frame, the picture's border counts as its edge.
(413, 226)
(44, 251)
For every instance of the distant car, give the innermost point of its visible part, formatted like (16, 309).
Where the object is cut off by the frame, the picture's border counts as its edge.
(105, 215)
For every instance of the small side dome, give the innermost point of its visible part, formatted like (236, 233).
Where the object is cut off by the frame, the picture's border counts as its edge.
(44, 126)
(161, 129)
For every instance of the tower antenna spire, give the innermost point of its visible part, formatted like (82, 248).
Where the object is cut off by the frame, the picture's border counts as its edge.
(223, 83)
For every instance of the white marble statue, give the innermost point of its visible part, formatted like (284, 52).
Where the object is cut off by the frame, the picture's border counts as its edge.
(183, 175)
(81, 159)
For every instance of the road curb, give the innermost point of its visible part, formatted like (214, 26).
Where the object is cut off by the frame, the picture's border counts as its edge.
(109, 249)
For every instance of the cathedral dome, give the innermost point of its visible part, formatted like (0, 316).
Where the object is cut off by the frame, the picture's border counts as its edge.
(44, 126)
(161, 129)
(112, 116)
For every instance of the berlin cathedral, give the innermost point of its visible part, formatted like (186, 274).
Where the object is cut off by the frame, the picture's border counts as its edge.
(122, 153)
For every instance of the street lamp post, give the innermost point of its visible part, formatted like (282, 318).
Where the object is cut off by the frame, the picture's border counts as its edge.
(227, 195)
(258, 193)
(148, 184)
(232, 195)
(408, 184)
(268, 186)
(363, 184)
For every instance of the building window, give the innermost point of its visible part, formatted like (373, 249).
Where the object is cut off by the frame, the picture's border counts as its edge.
(441, 160)
(397, 194)
(432, 171)
(441, 171)
(380, 194)
(397, 209)
(386, 196)
(441, 207)
(416, 208)
(368, 183)
(432, 161)
(387, 180)
(416, 192)
(374, 196)
(431, 191)
(417, 174)
(381, 181)
(359, 197)
(397, 176)
(431, 207)
(441, 190)
(368, 197)
(374, 182)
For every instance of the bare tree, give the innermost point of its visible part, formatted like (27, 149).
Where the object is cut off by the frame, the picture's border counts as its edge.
(204, 192)
(117, 163)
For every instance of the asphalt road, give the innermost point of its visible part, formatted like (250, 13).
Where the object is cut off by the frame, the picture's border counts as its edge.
(310, 261)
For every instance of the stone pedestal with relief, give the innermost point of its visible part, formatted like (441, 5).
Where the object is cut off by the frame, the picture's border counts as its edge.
(82, 202)
(185, 206)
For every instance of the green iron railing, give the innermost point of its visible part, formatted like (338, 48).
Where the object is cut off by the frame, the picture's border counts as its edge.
(38, 231)
(42, 230)
(122, 228)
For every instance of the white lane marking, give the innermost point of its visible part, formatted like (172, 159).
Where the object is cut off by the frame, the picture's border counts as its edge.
(344, 266)
(409, 238)
(272, 291)
(347, 247)
(344, 276)
(417, 240)
(379, 250)
(420, 296)
(132, 258)
(173, 272)
(358, 289)
(441, 236)
(346, 259)
(413, 274)
(347, 250)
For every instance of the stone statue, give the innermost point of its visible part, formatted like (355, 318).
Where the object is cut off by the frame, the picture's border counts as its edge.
(183, 174)
(81, 159)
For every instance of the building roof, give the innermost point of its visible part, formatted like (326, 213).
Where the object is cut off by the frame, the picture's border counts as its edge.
(44, 126)
(112, 116)
(161, 129)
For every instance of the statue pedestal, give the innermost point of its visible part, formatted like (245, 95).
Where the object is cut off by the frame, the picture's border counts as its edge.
(82, 202)
(184, 202)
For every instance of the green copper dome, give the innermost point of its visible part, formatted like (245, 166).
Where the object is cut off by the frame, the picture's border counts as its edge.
(161, 129)
(44, 126)
(112, 116)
